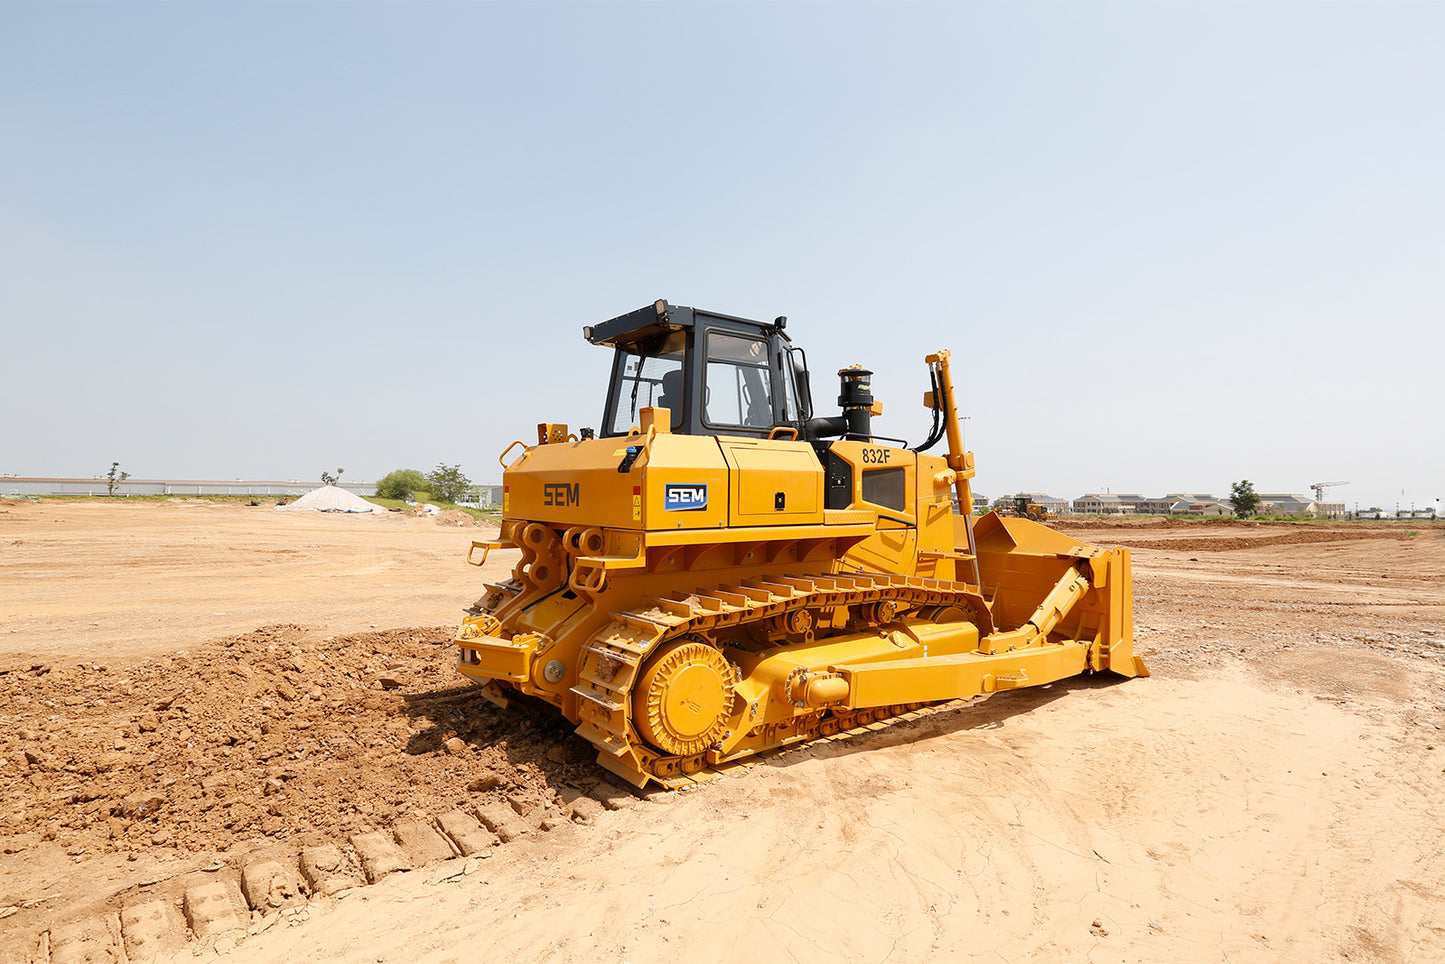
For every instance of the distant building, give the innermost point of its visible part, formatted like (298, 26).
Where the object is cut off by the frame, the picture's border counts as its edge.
(980, 503)
(1277, 503)
(1184, 503)
(1107, 503)
(488, 496)
(1176, 503)
(1217, 507)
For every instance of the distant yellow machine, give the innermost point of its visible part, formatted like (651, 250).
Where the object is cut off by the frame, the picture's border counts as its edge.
(717, 571)
(1024, 508)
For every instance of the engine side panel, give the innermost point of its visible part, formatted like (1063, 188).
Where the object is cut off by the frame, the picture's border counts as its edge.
(773, 482)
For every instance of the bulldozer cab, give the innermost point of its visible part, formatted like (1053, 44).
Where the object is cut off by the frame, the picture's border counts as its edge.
(717, 374)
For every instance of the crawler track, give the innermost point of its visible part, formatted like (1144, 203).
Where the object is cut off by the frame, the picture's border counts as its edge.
(611, 662)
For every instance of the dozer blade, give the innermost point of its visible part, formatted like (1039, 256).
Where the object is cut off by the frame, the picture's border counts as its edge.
(1021, 563)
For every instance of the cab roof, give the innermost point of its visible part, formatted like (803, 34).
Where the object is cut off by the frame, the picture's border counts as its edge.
(655, 321)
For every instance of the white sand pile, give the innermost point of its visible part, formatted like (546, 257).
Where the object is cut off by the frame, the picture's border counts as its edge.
(329, 498)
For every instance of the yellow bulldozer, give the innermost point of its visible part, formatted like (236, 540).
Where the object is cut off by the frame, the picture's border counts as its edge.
(1025, 508)
(718, 571)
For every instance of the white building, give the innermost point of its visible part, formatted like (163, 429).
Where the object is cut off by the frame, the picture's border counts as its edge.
(1184, 503)
(1279, 503)
(1095, 503)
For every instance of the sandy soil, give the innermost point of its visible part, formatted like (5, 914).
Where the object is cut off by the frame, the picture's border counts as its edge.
(105, 580)
(192, 691)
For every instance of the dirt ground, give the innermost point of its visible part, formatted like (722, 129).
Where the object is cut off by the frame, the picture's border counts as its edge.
(195, 693)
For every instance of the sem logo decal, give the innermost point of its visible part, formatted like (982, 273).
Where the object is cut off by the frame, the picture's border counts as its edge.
(678, 497)
(561, 493)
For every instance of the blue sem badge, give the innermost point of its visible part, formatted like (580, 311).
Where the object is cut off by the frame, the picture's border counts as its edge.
(684, 497)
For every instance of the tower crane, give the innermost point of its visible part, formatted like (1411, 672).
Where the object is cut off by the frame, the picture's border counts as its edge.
(1320, 487)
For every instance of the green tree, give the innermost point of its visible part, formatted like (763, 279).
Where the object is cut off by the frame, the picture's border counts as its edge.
(446, 483)
(1242, 496)
(401, 484)
(328, 479)
(114, 478)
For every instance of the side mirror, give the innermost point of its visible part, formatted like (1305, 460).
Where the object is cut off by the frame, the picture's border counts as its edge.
(805, 391)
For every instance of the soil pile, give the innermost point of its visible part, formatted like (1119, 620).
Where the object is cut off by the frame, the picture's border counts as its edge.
(456, 517)
(276, 732)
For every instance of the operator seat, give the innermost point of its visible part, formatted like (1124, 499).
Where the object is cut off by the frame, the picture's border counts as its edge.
(755, 396)
(670, 395)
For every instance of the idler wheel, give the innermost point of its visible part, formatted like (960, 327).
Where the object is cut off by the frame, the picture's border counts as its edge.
(682, 702)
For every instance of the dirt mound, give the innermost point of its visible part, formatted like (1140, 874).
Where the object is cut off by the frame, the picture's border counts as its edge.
(1146, 522)
(456, 517)
(272, 733)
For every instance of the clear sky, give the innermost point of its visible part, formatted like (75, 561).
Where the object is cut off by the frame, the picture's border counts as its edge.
(1170, 245)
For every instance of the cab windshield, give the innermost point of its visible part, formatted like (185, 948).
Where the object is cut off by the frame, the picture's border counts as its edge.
(642, 381)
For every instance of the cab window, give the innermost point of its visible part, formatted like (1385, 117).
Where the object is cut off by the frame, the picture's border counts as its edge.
(640, 381)
(738, 390)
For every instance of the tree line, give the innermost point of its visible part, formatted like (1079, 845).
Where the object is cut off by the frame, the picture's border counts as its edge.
(445, 483)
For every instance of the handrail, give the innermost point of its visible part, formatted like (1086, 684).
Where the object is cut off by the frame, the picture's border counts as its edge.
(503, 457)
